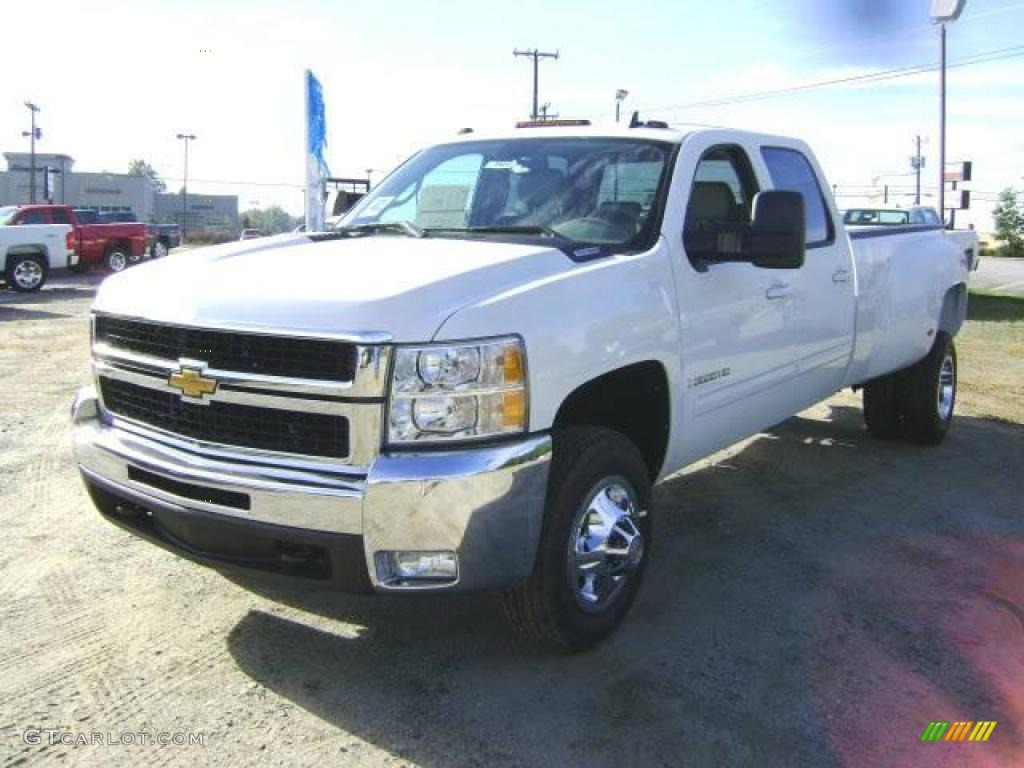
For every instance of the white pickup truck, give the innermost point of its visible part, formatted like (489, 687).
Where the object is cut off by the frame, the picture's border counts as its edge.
(30, 252)
(475, 381)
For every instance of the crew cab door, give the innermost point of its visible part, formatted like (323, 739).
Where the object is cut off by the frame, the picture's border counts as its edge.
(737, 321)
(827, 303)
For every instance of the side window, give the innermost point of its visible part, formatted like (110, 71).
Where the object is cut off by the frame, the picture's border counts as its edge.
(723, 189)
(60, 216)
(790, 170)
(34, 216)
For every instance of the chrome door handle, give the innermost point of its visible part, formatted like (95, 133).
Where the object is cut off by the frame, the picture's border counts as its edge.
(840, 276)
(777, 291)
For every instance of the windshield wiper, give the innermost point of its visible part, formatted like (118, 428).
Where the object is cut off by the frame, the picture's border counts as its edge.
(402, 227)
(512, 229)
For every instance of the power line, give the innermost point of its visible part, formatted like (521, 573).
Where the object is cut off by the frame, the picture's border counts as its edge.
(868, 77)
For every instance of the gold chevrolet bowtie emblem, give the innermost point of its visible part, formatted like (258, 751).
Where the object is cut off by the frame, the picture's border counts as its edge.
(192, 384)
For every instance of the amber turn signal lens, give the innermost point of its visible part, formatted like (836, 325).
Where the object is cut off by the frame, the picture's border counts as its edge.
(512, 359)
(513, 409)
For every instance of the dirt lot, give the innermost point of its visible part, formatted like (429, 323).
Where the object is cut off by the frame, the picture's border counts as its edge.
(815, 599)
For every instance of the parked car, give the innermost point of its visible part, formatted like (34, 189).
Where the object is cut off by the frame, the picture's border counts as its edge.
(115, 246)
(30, 253)
(252, 234)
(474, 381)
(162, 238)
(886, 217)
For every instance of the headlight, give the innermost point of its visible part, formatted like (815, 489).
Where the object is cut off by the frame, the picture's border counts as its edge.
(456, 392)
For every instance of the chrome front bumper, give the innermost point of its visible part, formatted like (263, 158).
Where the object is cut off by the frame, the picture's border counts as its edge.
(484, 504)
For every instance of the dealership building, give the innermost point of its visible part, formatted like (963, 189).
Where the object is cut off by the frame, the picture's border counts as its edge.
(58, 182)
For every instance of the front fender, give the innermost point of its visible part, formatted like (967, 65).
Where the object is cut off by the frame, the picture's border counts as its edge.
(582, 323)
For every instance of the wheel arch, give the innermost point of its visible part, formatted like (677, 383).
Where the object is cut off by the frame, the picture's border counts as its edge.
(123, 245)
(632, 400)
(954, 309)
(27, 250)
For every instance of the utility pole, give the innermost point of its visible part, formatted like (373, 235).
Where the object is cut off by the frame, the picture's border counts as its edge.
(917, 163)
(35, 133)
(184, 187)
(544, 112)
(536, 55)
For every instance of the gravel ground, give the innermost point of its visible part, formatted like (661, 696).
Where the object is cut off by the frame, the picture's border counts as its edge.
(815, 599)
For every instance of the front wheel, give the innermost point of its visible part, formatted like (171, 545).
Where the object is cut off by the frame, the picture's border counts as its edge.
(594, 544)
(159, 249)
(26, 273)
(116, 260)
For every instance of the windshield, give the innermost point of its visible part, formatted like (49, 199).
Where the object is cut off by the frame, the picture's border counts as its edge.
(584, 190)
(7, 215)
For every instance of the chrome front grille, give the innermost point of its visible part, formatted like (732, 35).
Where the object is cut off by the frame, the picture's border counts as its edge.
(230, 424)
(243, 352)
(303, 422)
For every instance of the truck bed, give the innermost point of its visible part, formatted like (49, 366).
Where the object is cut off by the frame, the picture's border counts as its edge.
(896, 308)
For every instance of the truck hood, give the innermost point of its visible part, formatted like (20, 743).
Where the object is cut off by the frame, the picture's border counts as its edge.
(400, 286)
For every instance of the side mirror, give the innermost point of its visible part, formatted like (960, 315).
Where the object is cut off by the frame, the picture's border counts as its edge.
(778, 235)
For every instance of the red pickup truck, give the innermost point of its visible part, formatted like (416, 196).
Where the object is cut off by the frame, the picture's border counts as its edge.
(115, 246)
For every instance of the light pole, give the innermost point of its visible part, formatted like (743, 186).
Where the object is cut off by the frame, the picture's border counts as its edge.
(620, 96)
(184, 187)
(35, 133)
(944, 11)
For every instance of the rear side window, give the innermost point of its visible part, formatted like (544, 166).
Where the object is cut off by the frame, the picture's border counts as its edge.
(60, 216)
(790, 170)
(34, 216)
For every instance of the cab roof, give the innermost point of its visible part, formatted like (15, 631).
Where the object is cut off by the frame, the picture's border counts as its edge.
(670, 135)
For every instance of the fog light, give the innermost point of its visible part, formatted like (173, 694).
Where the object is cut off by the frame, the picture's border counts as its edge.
(417, 566)
(85, 406)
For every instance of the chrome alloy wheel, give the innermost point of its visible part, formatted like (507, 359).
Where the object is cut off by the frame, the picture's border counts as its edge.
(117, 261)
(28, 274)
(159, 249)
(947, 387)
(605, 543)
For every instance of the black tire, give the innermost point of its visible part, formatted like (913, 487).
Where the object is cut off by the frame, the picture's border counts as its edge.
(25, 273)
(550, 609)
(882, 408)
(926, 402)
(159, 249)
(116, 259)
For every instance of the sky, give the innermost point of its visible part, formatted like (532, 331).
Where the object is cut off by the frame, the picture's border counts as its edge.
(118, 80)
